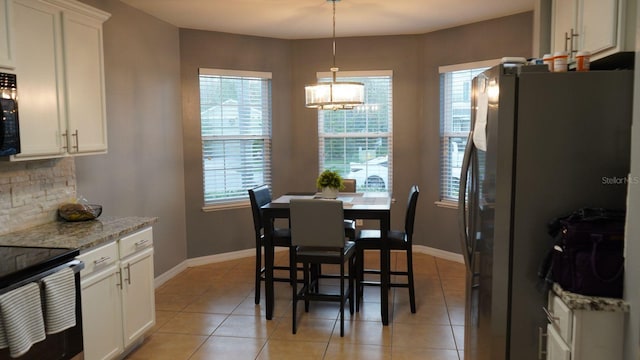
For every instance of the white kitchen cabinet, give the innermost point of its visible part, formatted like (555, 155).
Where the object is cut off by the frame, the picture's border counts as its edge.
(118, 304)
(83, 59)
(556, 347)
(138, 301)
(59, 65)
(588, 328)
(602, 27)
(38, 52)
(563, 19)
(6, 32)
(101, 303)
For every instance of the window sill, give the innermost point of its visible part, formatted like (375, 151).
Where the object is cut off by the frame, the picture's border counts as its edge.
(447, 204)
(226, 206)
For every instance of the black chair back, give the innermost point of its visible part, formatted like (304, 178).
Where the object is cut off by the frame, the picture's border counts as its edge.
(410, 217)
(259, 196)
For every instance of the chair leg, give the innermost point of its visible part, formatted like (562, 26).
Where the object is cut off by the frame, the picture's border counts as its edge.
(342, 298)
(315, 276)
(293, 267)
(352, 281)
(258, 272)
(412, 293)
(359, 275)
(294, 281)
(306, 286)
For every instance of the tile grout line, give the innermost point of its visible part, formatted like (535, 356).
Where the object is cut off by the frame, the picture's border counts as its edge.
(448, 313)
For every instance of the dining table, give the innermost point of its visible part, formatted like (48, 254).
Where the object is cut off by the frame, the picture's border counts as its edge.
(366, 205)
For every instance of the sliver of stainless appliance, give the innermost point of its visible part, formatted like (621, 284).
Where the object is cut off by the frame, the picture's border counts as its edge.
(22, 265)
(9, 125)
(542, 145)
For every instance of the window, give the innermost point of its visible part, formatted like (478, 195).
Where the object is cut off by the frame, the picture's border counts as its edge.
(357, 143)
(455, 122)
(235, 117)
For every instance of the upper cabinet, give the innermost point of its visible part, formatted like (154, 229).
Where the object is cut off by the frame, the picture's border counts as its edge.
(60, 72)
(6, 43)
(602, 27)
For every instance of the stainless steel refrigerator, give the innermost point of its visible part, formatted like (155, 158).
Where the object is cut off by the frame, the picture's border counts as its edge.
(542, 145)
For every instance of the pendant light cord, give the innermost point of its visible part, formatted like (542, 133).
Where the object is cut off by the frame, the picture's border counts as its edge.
(334, 70)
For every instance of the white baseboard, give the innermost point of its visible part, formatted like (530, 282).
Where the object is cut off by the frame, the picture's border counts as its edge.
(204, 260)
(445, 255)
(170, 274)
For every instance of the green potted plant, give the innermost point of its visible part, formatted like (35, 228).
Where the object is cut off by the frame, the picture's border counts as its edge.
(330, 182)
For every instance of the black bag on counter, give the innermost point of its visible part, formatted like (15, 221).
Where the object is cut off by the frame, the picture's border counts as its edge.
(587, 256)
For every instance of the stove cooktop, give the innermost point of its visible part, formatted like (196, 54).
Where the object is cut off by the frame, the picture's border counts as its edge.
(19, 263)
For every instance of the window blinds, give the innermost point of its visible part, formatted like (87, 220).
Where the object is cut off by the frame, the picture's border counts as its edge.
(358, 143)
(235, 116)
(455, 123)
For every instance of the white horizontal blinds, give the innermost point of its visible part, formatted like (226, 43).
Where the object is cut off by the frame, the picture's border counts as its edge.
(455, 123)
(235, 115)
(358, 143)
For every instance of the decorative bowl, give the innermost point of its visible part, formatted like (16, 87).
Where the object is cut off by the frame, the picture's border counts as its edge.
(79, 212)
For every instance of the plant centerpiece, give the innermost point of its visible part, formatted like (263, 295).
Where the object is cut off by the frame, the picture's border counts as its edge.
(330, 182)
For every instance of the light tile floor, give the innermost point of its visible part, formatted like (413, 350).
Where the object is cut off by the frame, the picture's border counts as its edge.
(208, 312)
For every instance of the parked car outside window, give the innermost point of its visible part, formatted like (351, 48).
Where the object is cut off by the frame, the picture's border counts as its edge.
(372, 174)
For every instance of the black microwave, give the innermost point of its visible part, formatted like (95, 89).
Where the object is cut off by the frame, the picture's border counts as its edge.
(9, 125)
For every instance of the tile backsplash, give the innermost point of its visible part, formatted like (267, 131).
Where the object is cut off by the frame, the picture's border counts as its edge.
(31, 191)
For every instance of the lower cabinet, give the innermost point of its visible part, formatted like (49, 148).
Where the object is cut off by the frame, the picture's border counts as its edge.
(578, 330)
(138, 302)
(118, 304)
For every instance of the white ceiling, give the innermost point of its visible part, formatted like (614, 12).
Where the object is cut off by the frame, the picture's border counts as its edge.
(306, 19)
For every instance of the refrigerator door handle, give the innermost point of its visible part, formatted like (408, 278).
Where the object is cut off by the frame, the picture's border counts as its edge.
(463, 223)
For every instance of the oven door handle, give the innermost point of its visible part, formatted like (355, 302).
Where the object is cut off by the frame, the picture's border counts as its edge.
(75, 265)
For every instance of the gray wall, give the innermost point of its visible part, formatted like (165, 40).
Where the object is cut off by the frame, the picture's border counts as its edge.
(492, 39)
(414, 61)
(229, 230)
(142, 175)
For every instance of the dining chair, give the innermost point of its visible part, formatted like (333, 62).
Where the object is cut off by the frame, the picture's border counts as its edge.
(397, 240)
(260, 196)
(349, 224)
(349, 186)
(317, 235)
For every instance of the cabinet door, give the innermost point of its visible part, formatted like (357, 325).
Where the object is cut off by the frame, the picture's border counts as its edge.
(564, 18)
(38, 46)
(138, 300)
(86, 120)
(556, 348)
(6, 42)
(101, 314)
(598, 25)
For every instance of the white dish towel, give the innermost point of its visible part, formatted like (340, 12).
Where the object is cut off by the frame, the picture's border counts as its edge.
(59, 301)
(21, 318)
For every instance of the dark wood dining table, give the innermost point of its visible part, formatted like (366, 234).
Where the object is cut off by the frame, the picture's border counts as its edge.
(368, 205)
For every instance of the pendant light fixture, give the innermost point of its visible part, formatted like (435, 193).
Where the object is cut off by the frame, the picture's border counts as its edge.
(334, 95)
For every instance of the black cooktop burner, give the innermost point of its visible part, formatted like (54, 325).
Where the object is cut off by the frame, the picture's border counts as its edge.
(19, 263)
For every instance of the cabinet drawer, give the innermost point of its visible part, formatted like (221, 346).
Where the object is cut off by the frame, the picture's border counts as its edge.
(561, 318)
(136, 242)
(97, 259)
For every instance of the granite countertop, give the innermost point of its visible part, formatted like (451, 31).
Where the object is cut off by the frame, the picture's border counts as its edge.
(592, 303)
(77, 235)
